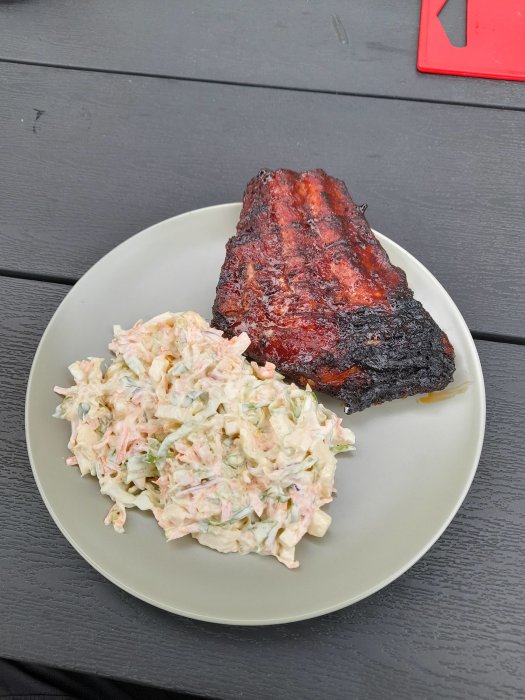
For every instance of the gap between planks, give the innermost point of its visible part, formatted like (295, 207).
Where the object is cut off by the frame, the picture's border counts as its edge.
(264, 86)
(70, 281)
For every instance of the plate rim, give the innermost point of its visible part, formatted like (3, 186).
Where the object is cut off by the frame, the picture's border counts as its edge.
(266, 621)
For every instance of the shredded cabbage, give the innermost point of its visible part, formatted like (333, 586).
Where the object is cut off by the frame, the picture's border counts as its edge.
(180, 423)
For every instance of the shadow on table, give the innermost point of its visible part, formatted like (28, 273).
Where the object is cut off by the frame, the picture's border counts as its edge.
(33, 681)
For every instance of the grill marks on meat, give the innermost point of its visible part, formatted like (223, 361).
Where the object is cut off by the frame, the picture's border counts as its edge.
(308, 281)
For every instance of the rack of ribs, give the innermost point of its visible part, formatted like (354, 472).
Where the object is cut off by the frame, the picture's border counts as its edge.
(314, 289)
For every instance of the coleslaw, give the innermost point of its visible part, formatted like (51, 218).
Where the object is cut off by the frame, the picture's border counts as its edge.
(217, 447)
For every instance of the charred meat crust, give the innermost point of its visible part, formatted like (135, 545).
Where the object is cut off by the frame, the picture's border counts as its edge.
(309, 282)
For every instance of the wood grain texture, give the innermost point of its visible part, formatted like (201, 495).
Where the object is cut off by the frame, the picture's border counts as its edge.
(451, 627)
(110, 155)
(359, 47)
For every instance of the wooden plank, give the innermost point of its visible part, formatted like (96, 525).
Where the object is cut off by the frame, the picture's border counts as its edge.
(453, 623)
(358, 47)
(110, 155)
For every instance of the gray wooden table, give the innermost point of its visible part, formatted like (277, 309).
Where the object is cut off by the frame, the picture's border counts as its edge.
(116, 114)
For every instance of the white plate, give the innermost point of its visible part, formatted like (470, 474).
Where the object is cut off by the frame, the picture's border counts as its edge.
(396, 494)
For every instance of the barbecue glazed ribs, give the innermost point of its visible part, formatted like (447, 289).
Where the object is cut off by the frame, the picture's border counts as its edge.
(314, 289)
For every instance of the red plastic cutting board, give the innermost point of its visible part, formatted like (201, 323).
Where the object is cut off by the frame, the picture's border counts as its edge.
(495, 40)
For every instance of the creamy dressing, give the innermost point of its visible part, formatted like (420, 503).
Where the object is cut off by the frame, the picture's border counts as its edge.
(180, 423)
